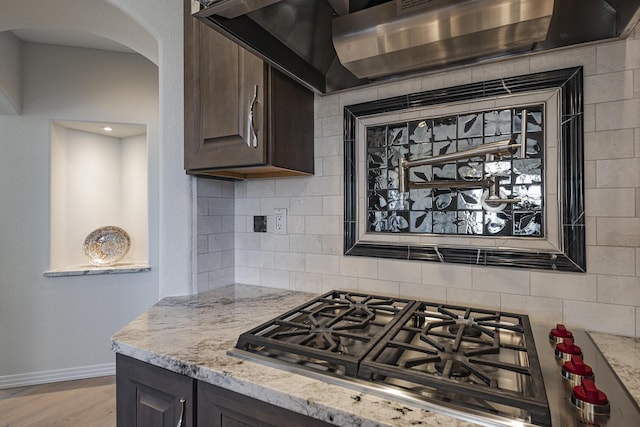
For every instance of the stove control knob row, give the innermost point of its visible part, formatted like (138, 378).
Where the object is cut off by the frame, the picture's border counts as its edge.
(592, 403)
(559, 333)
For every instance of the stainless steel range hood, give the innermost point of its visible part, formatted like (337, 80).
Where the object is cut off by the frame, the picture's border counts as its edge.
(333, 45)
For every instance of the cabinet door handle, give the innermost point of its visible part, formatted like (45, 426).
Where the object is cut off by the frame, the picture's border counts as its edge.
(180, 420)
(252, 137)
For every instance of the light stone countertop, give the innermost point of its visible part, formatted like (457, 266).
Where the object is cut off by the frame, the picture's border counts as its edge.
(623, 354)
(191, 335)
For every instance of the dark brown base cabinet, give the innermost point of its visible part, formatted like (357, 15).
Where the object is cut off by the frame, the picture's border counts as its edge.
(243, 118)
(149, 396)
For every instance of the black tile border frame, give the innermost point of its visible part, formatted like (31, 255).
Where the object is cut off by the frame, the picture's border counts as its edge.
(571, 257)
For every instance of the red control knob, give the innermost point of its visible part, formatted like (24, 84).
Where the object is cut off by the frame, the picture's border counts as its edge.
(589, 393)
(577, 366)
(565, 349)
(559, 333)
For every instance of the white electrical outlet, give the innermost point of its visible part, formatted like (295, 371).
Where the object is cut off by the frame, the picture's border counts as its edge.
(280, 226)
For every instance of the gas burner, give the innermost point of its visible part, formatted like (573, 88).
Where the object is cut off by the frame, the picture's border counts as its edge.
(467, 330)
(451, 368)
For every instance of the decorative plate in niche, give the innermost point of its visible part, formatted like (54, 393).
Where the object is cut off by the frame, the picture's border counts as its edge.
(106, 245)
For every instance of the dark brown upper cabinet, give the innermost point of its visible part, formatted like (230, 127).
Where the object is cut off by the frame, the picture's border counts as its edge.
(243, 118)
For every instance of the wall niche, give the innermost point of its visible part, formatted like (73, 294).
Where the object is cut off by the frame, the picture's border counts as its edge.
(98, 179)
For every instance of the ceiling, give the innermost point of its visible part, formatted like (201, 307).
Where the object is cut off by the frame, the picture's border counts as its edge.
(119, 130)
(64, 37)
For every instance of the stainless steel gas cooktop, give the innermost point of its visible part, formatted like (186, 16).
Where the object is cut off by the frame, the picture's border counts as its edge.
(489, 367)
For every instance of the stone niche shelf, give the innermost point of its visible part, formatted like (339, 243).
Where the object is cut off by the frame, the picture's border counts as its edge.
(91, 270)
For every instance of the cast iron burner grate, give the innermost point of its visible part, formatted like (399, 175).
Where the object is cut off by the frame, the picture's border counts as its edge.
(484, 358)
(334, 330)
(480, 359)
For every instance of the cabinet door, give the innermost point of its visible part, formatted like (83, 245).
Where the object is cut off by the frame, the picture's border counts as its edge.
(148, 396)
(218, 407)
(224, 101)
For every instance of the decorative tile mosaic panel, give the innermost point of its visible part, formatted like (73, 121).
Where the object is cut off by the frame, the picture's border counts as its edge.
(457, 211)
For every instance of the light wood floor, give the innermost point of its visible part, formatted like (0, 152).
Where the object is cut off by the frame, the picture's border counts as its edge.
(82, 403)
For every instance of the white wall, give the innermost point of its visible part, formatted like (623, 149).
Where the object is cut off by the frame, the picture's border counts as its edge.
(10, 74)
(56, 328)
(60, 327)
(606, 299)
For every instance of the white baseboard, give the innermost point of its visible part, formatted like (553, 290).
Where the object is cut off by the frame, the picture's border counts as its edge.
(56, 375)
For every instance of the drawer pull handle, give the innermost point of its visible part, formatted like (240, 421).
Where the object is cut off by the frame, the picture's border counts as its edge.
(252, 139)
(182, 402)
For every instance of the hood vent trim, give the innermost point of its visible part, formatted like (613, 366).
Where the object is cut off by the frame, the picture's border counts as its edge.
(385, 39)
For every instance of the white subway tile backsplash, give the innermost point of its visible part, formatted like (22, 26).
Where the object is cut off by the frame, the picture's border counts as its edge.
(261, 188)
(618, 319)
(247, 207)
(305, 205)
(333, 165)
(209, 261)
(221, 206)
(328, 264)
(379, 287)
(306, 243)
(317, 224)
(610, 202)
(202, 243)
(608, 87)
(455, 77)
(221, 242)
(618, 232)
(328, 105)
(622, 114)
(473, 298)
(307, 282)
(454, 276)
(333, 282)
(274, 242)
(590, 174)
(228, 224)
(564, 285)
(359, 267)
(274, 278)
(248, 275)
(331, 126)
(202, 206)
(328, 146)
(291, 187)
(611, 260)
(296, 224)
(247, 241)
(332, 245)
(540, 309)
(332, 205)
(423, 292)
(400, 271)
(565, 58)
(267, 205)
(619, 290)
(209, 225)
(590, 231)
(501, 280)
(616, 144)
(325, 185)
(618, 56)
(621, 173)
(500, 69)
(290, 261)
(404, 87)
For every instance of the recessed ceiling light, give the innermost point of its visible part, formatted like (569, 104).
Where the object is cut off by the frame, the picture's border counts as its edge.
(107, 128)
